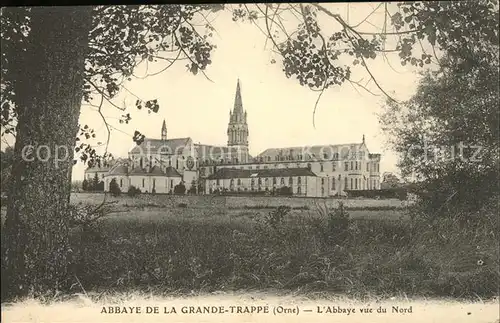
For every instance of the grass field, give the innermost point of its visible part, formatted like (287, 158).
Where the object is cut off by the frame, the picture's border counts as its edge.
(379, 251)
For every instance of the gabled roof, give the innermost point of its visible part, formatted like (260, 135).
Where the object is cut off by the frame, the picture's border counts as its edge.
(119, 170)
(172, 172)
(209, 152)
(314, 151)
(227, 173)
(155, 171)
(96, 169)
(169, 146)
(111, 164)
(137, 171)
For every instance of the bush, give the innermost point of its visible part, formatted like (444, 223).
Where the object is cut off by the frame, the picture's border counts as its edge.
(100, 187)
(276, 217)
(285, 191)
(133, 191)
(338, 224)
(192, 190)
(85, 185)
(333, 224)
(180, 189)
(114, 189)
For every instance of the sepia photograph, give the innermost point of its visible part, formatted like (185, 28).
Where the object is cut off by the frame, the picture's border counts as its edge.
(250, 162)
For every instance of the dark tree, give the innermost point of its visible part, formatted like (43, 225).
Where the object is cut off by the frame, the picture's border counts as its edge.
(133, 191)
(85, 185)
(95, 183)
(180, 189)
(114, 189)
(48, 78)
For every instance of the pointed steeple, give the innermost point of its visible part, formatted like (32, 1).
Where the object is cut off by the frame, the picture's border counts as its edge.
(238, 104)
(363, 138)
(237, 130)
(164, 131)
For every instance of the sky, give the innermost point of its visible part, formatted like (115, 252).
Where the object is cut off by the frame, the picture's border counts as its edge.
(280, 110)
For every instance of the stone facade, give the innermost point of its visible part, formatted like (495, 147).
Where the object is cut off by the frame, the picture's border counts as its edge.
(315, 171)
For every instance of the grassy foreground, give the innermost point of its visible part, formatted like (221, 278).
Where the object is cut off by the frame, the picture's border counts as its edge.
(180, 249)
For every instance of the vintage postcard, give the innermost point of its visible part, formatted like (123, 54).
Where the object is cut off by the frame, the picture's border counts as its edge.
(271, 162)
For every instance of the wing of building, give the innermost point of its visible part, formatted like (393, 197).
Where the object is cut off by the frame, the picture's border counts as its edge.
(318, 171)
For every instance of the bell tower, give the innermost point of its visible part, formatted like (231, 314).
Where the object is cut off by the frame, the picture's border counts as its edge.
(237, 129)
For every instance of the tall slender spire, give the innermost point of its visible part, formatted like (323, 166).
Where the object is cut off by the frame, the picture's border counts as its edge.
(238, 104)
(237, 130)
(164, 131)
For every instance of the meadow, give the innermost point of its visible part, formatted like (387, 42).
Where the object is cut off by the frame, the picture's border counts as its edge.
(226, 245)
(164, 245)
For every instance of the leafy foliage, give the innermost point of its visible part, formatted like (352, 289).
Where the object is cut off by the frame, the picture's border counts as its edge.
(333, 223)
(122, 37)
(85, 185)
(133, 191)
(447, 133)
(320, 59)
(180, 188)
(276, 217)
(114, 189)
(6, 160)
(285, 190)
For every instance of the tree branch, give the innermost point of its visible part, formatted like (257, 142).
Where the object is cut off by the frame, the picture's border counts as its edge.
(103, 94)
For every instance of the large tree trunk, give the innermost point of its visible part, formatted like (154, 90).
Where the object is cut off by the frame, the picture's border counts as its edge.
(48, 89)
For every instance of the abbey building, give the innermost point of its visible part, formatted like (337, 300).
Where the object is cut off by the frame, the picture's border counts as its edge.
(158, 165)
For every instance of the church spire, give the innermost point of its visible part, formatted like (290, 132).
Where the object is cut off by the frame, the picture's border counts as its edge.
(237, 130)
(164, 131)
(238, 104)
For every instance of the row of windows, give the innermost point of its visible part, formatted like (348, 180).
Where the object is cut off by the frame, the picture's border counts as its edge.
(154, 183)
(359, 184)
(354, 165)
(334, 156)
(141, 164)
(355, 183)
(266, 181)
(375, 167)
(332, 180)
(349, 183)
(253, 188)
